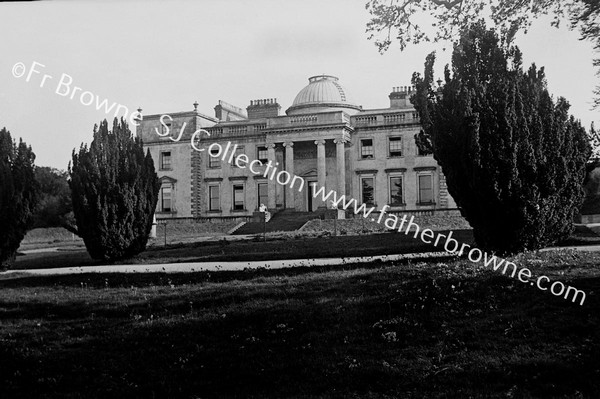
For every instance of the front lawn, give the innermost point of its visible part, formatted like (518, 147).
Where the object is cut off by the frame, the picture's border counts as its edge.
(325, 246)
(435, 330)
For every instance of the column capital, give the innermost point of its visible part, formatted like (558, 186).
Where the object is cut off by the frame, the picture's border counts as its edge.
(340, 140)
(289, 144)
(320, 142)
(270, 145)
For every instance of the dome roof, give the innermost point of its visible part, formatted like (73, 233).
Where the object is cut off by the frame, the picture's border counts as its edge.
(322, 91)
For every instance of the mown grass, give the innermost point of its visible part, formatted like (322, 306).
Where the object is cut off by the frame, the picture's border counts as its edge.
(288, 245)
(301, 247)
(435, 330)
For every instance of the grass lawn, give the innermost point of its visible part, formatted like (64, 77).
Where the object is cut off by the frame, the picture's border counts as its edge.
(385, 331)
(278, 246)
(301, 248)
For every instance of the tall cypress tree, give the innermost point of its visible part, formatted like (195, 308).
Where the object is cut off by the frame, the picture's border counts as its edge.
(514, 159)
(18, 195)
(114, 190)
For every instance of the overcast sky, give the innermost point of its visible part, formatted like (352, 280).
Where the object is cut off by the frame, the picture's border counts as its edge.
(165, 55)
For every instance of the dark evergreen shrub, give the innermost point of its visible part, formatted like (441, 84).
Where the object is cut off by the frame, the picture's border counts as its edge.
(513, 157)
(114, 190)
(18, 195)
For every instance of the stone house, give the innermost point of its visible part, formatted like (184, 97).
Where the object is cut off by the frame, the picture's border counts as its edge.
(324, 138)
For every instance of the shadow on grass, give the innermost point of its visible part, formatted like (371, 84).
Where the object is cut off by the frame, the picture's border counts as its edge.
(435, 330)
(223, 251)
(583, 235)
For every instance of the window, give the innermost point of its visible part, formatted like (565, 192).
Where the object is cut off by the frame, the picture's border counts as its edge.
(214, 200)
(367, 190)
(395, 145)
(165, 199)
(238, 197)
(213, 160)
(262, 154)
(425, 189)
(263, 194)
(165, 160)
(238, 151)
(366, 149)
(396, 192)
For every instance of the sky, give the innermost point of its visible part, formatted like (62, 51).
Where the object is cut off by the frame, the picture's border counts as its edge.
(163, 56)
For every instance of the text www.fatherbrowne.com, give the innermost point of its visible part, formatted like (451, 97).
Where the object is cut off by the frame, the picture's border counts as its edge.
(452, 246)
(391, 221)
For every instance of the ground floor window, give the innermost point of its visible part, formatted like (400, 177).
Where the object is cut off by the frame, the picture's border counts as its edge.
(263, 194)
(425, 188)
(165, 199)
(238, 197)
(214, 200)
(396, 190)
(367, 190)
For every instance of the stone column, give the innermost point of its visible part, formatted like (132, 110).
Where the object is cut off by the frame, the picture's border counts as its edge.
(271, 189)
(289, 167)
(321, 170)
(279, 188)
(341, 166)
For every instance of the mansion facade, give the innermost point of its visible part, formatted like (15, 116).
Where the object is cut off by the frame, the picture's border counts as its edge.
(324, 138)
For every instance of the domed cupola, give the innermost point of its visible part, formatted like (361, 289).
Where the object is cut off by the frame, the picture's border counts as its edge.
(322, 94)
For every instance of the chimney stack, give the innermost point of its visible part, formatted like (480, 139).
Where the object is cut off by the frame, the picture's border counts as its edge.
(263, 108)
(400, 96)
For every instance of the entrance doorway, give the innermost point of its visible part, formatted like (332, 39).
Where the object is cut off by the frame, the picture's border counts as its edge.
(310, 200)
(307, 200)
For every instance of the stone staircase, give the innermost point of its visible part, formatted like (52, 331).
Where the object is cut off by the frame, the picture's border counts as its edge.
(285, 220)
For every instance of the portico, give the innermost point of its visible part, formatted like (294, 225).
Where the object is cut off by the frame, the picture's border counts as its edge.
(302, 155)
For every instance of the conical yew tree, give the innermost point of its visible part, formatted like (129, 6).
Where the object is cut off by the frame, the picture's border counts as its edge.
(513, 157)
(18, 195)
(114, 189)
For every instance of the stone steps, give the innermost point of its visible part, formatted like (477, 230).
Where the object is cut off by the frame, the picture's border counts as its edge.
(282, 221)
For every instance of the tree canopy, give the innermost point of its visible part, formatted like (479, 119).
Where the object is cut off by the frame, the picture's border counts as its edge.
(400, 20)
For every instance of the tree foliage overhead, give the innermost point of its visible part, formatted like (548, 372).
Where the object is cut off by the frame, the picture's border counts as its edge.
(18, 195)
(398, 20)
(514, 159)
(114, 190)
